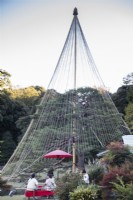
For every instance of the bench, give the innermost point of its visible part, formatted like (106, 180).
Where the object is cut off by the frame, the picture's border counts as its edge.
(39, 193)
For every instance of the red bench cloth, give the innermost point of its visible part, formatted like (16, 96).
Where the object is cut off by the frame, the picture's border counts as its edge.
(39, 193)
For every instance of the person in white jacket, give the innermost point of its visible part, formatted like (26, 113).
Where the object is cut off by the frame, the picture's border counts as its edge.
(32, 183)
(85, 177)
(50, 183)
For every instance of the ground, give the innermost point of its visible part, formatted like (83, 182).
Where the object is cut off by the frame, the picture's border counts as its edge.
(17, 197)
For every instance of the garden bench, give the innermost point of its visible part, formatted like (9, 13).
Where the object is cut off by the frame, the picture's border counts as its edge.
(40, 192)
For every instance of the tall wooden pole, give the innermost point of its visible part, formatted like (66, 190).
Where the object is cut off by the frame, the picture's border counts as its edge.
(74, 156)
(75, 13)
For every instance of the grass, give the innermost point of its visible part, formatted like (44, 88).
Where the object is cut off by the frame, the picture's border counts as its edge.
(18, 197)
(15, 197)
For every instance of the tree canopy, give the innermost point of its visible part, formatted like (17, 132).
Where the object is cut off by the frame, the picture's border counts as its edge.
(4, 79)
(128, 80)
(17, 108)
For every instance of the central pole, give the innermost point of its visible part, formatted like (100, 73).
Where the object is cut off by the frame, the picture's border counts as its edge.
(75, 13)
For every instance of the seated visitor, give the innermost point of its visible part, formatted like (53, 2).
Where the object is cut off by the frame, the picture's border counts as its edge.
(50, 183)
(32, 183)
(50, 172)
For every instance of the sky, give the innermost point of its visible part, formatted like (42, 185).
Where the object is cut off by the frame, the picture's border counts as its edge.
(33, 32)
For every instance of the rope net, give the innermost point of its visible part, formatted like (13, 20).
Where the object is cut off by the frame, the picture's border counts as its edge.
(76, 106)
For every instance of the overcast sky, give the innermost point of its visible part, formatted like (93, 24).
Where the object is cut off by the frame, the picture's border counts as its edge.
(33, 32)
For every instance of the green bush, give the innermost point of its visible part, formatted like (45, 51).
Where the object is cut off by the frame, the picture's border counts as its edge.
(123, 191)
(96, 174)
(67, 184)
(125, 171)
(117, 155)
(85, 193)
(4, 186)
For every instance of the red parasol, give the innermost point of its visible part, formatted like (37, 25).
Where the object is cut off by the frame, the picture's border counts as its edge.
(57, 154)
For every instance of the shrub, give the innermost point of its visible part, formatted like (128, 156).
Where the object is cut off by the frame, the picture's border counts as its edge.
(4, 186)
(118, 154)
(96, 174)
(123, 191)
(85, 193)
(125, 171)
(67, 184)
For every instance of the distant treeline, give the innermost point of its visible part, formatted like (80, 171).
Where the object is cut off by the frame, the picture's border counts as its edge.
(18, 105)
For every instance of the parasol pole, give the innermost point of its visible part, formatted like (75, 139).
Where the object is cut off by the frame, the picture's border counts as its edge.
(75, 13)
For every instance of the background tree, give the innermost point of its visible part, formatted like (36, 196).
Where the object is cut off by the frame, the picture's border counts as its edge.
(16, 109)
(10, 111)
(118, 154)
(129, 116)
(28, 95)
(129, 109)
(7, 147)
(4, 79)
(120, 98)
(128, 80)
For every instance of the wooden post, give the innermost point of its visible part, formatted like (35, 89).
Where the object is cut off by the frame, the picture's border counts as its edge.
(75, 13)
(74, 156)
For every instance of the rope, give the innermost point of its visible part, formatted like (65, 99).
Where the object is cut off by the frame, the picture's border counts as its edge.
(86, 113)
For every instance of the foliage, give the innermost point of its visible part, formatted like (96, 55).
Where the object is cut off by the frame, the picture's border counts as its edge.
(4, 185)
(96, 174)
(91, 154)
(123, 191)
(67, 184)
(119, 162)
(118, 153)
(16, 107)
(120, 98)
(7, 147)
(85, 193)
(4, 79)
(29, 95)
(10, 111)
(129, 116)
(125, 171)
(130, 94)
(88, 115)
(123, 100)
(128, 80)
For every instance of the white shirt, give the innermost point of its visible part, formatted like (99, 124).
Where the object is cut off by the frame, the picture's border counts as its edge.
(50, 184)
(32, 184)
(86, 178)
